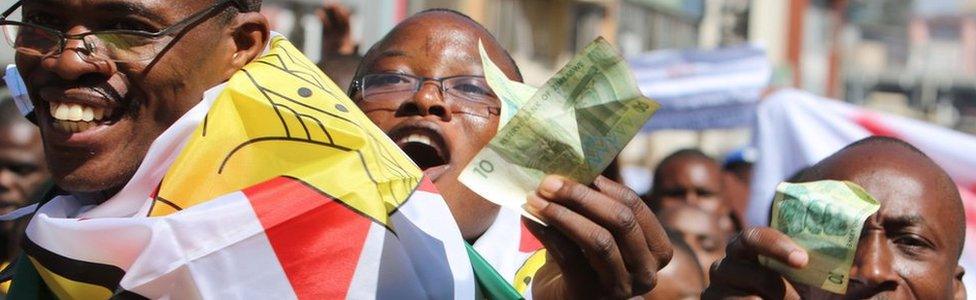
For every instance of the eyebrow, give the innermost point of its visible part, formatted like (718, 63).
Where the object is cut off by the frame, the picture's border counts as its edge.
(393, 53)
(905, 220)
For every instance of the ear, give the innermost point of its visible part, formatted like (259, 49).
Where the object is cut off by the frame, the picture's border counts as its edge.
(250, 32)
(957, 285)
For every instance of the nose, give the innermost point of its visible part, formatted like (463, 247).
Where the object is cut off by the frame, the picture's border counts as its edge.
(76, 60)
(7, 180)
(873, 263)
(691, 197)
(427, 101)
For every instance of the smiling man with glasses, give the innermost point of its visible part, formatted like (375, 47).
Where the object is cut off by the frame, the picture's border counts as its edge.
(198, 155)
(108, 77)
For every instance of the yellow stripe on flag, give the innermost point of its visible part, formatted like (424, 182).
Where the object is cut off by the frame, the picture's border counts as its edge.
(524, 275)
(65, 288)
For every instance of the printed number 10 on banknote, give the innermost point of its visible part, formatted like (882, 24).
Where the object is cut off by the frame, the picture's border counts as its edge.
(825, 218)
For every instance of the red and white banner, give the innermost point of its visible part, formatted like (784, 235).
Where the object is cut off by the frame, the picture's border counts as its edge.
(795, 129)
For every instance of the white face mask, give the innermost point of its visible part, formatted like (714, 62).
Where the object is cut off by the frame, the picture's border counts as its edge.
(18, 90)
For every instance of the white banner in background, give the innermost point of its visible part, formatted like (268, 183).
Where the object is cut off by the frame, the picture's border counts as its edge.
(795, 129)
(702, 89)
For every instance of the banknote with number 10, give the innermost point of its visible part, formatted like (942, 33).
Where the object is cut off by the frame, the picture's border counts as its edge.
(573, 126)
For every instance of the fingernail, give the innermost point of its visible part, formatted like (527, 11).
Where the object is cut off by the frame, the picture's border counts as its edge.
(798, 258)
(534, 205)
(549, 186)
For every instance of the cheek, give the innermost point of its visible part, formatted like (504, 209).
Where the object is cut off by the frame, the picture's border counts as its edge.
(382, 118)
(482, 129)
(928, 279)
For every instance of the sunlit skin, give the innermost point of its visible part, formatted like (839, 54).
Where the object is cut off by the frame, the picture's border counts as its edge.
(690, 180)
(909, 249)
(147, 97)
(693, 180)
(602, 240)
(681, 279)
(699, 229)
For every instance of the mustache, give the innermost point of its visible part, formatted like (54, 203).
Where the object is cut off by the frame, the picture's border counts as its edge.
(94, 83)
(97, 85)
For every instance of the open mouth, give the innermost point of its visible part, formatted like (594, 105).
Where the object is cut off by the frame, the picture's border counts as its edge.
(76, 110)
(75, 117)
(423, 145)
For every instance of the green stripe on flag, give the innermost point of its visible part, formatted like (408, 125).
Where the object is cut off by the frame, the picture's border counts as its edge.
(494, 286)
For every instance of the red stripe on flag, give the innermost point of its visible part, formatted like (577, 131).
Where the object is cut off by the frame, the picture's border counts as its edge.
(427, 186)
(528, 242)
(317, 240)
(872, 123)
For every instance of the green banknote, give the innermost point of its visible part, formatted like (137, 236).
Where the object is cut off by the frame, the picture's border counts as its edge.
(573, 126)
(825, 218)
(513, 94)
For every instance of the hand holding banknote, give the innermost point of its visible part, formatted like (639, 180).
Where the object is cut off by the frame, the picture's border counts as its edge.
(602, 242)
(815, 230)
(740, 276)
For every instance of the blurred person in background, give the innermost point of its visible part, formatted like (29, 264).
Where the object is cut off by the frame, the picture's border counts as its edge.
(689, 176)
(699, 229)
(423, 85)
(23, 176)
(340, 53)
(909, 249)
(683, 277)
(736, 178)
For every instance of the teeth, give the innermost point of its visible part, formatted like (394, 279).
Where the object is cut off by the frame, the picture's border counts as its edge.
(417, 138)
(75, 113)
(87, 114)
(78, 112)
(62, 112)
(73, 117)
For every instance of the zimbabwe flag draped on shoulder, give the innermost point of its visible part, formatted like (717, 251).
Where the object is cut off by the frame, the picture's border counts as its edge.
(275, 186)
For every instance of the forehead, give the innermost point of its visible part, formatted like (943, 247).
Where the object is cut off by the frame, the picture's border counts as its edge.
(696, 170)
(434, 42)
(903, 194)
(18, 135)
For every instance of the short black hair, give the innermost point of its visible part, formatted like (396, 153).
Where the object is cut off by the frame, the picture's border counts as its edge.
(247, 5)
(238, 6)
(374, 47)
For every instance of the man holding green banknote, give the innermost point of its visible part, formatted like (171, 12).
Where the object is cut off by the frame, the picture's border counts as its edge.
(909, 249)
(424, 85)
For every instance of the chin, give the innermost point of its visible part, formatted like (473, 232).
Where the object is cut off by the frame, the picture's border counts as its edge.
(88, 178)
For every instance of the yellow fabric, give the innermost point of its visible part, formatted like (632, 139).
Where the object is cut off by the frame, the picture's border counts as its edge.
(524, 275)
(5, 286)
(65, 288)
(280, 116)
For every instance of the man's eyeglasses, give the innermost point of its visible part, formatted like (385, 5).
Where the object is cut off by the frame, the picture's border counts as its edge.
(393, 87)
(115, 45)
